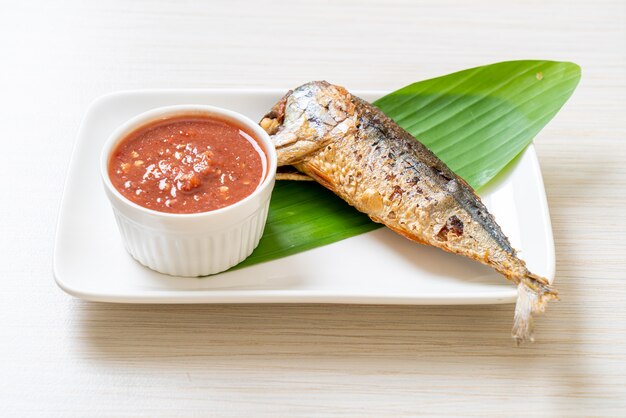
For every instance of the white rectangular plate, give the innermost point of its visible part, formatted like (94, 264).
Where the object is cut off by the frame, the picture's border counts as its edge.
(377, 267)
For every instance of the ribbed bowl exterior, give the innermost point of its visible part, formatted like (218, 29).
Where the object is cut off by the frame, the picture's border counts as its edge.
(196, 244)
(190, 255)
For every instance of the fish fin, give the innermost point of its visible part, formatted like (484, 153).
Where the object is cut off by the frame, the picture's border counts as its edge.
(533, 294)
(319, 176)
(293, 176)
(289, 172)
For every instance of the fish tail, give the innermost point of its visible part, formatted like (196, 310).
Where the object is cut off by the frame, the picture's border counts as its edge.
(533, 294)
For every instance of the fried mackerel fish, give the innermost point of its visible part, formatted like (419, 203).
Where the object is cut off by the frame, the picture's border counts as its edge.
(353, 149)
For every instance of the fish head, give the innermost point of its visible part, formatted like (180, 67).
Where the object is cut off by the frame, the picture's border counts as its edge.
(308, 118)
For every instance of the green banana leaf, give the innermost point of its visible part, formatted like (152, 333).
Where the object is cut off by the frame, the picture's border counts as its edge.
(477, 121)
(480, 119)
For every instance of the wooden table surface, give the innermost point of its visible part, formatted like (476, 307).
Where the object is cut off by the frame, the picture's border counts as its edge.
(63, 357)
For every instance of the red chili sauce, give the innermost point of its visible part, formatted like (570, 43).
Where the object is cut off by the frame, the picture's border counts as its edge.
(187, 164)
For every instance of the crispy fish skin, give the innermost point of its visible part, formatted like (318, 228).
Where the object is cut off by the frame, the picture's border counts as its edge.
(355, 150)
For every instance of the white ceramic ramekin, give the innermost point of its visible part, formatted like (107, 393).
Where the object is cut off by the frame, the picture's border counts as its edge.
(195, 244)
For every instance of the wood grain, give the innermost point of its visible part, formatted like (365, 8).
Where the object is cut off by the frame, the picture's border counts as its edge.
(62, 357)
